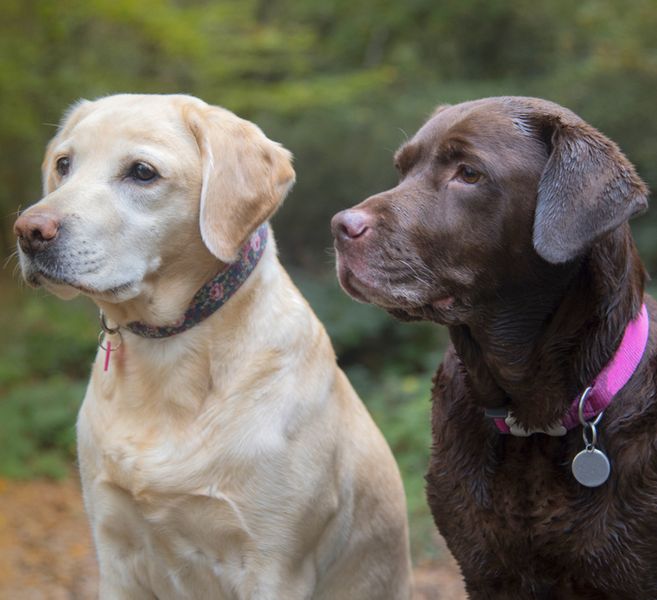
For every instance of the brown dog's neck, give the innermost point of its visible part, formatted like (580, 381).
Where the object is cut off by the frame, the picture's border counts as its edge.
(536, 345)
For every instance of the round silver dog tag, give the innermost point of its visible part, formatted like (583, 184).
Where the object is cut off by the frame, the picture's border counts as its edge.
(591, 467)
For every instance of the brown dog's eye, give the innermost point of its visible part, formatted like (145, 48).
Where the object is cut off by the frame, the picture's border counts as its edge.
(63, 166)
(468, 174)
(142, 172)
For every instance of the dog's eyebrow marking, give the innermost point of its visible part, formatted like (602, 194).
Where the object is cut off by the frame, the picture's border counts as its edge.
(406, 157)
(452, 149)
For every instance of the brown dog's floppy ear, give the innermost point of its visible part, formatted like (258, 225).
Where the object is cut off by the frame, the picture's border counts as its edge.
(587, 189)
(246, 176)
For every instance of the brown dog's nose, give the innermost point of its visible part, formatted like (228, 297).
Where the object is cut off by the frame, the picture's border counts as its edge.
(35, 230)
(350, 224)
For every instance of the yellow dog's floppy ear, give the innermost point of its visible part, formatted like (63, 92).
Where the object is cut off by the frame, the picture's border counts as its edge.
(246, 176)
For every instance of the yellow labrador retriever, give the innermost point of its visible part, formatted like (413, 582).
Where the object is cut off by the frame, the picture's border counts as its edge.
(223, 454)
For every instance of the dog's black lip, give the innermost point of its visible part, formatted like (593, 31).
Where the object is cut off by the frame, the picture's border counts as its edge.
(347, 280)
(362, 292)
(358, 289)
(59, 280)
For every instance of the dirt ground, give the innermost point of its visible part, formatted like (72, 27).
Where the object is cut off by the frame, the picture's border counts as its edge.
(46, 554)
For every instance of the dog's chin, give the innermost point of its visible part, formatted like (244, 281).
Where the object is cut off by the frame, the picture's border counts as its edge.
(350, 284)
(68, 288)
(362, 290)
(442, 308)
(366, 291)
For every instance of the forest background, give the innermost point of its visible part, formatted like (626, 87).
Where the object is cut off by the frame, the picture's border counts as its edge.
(342, 84)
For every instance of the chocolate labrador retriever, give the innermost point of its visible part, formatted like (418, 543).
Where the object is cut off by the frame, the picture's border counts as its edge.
(509, 225)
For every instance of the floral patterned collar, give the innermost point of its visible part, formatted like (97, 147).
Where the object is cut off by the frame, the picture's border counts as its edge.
(215, 293)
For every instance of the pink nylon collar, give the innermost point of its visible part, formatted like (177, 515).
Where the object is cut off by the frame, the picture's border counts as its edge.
(608, 383)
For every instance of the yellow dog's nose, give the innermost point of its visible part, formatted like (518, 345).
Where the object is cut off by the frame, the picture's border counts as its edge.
(36, 229)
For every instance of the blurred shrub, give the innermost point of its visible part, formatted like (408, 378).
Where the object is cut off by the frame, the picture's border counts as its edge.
(37, 428)
(44, 336)
(400, 406)
(47, 349)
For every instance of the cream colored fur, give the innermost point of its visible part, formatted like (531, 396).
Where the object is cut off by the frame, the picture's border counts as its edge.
(232, 461)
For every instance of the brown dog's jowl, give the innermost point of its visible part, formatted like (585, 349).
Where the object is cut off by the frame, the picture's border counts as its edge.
(509, 225)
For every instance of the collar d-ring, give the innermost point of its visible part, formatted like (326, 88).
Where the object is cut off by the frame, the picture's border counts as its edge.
(106, 330)
(105, 327)
(580, 410)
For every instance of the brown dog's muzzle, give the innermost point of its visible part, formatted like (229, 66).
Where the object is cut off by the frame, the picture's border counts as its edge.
(353, 229)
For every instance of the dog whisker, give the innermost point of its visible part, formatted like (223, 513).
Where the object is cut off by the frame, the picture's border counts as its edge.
(10, 257)
(15, 213)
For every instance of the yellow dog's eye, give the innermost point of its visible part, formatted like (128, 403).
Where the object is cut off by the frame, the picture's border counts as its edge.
(142, 172)
(468, 174)
(63, 166)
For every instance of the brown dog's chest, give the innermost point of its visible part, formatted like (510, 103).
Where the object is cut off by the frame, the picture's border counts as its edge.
(515, 517)
(525, 521)
(517, 500)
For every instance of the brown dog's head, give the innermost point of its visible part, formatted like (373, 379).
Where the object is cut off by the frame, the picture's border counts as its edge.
(489, 191)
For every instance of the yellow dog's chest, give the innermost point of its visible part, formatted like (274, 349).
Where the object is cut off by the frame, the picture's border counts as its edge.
(178, 546)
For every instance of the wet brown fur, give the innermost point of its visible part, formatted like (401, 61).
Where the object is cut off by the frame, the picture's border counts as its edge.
(542, 276)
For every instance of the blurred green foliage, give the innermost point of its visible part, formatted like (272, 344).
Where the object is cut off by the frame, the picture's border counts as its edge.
(45, 357)
(37, 428)
(340, 83)
(400, 406)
